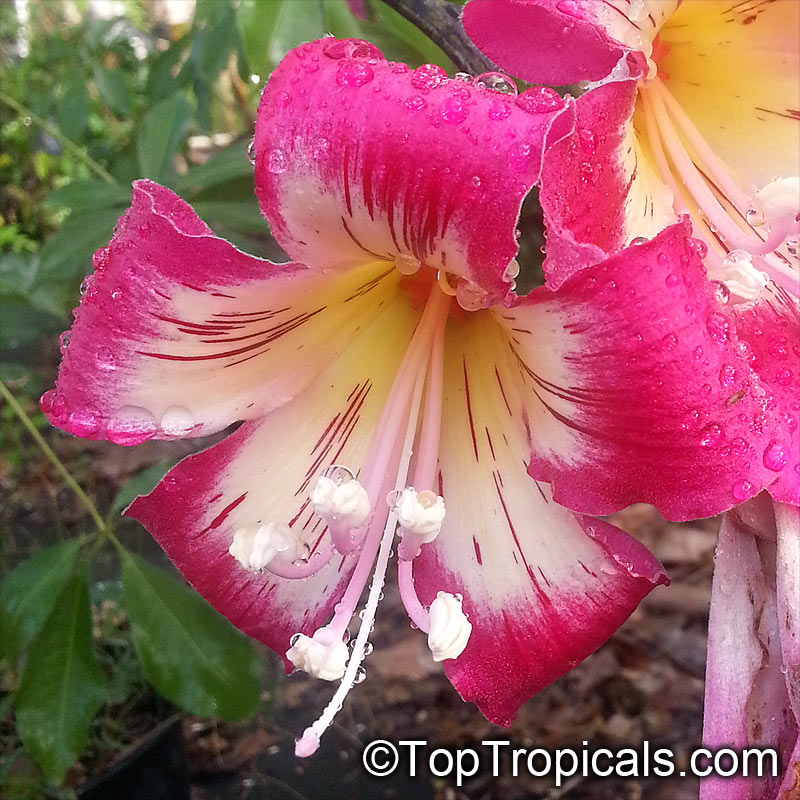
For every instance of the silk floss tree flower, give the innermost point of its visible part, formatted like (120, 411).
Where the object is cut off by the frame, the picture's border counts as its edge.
(392, 386)
(694, 106)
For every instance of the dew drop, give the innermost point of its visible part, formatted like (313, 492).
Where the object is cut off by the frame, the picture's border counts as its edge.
(131, 425)
(84, 422)
(350, 48)
(698, 352)
(778, 349)
(354, 73)
(454, 109)
(360, 676)
(464, 77)
(428, 76)
(784, 376)
(320, 147)
(368, 648)
(727, 376)
(639, 240)
(407, 264)
(755, 217)
(742, 490)
(539, 100)
(669, 342)
(672, 279)
(496, 82)
(519, 156)
(711, 435)
(282, 99)
(105, 358)
(276, 161)
(776, 456)
(295, 638)
(339, 474)
(86, 285)
(415, 104)
(100, 259)
(498, 110)
(721, 292)
(251, 151)
(46, 401)
(662, 259)
(718, 327)
(470, 296)
(511, 271)
(177, 420)
(63, 342)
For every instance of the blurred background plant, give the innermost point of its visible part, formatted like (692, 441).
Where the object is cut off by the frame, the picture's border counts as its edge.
(96, 643)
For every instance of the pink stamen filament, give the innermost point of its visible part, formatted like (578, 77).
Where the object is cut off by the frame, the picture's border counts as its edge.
(659, 106)
(307, 744)
(284, 568)
(385, 443)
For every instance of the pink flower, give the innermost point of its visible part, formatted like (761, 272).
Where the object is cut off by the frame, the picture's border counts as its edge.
(397, 380)
(695, 110)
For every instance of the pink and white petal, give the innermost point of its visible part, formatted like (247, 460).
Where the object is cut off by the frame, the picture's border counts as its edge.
(564, 41)
(600, 186)
(733, 67)
(542, 587)
(638, 388)
(771, 328)
(745, 700)
(261, 474)
(787, 519)
(358, 157)
(181, 334)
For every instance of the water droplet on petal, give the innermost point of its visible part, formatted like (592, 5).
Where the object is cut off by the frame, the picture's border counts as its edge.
(519, 156)
(496, 82)
(512, 271)
(721, 292)
(776, 456)
(755, 217)
(131, 425)
(354, 73)
(282, 99)
(498, 110)
(276, 161)
(63, 342)
(86, 284)
(539, 100)
(177, 420)
(416, 103)
(360, 675)
(428, 76)
(407, 264)
(46, 401)
(639, 240)
(718, 327)
(251, 151)
(454, 109)
(84, 422)
(350, 48)
(105, 358)
(470, 296)
(669, 342)
(784, 376)
(711, 435)
(742, 490)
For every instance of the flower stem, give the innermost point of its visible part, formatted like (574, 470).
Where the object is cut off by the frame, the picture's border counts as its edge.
(68, 144)
(90, 507)
(441, 22)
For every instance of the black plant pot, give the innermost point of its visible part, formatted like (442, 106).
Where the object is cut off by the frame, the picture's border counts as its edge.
(154, 769)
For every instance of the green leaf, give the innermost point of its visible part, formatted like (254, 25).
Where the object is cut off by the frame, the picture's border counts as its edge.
(73, 108)
(89, 194)
(113, 89)
(141, 483)
(239, 215)
(162, 132)
(22, 322)
(190, 653)
(62, 685)
(28, 594)
(228, 164)
(270, 28)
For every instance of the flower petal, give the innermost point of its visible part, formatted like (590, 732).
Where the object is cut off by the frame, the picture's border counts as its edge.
(358, 157)
(180, 334)
(639, 388)
(787, 523)
(733, 67)
(261, 473)
(563, 41)
(745, 700)
(600, 188)
(543, 588)
(771, 328)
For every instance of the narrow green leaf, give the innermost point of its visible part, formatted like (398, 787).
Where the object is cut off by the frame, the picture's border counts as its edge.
(163, 130)
(73, 108)
(190, 653)
(113, 89)
(22, 322)
(239, 215)
(28, 594)
(62, 685)
(141, 483)
(228, 164)
(89, 194)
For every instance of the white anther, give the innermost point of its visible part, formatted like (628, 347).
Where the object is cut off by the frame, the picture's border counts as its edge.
(346, 502)
(742, 278)
(256, 545)
(420, 513)
(450, 629)
(323, 655)
(779, 202)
